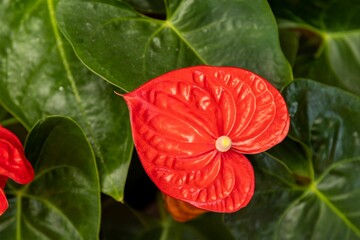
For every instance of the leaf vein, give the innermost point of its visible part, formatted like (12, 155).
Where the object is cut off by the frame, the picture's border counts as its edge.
(330, 205)
(56, 209)
(71, 79)
(186, 42)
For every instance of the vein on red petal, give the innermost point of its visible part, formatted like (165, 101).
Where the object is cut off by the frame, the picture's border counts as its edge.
(231, 190)
(151, 156)
(202, 178)
(262, 131)
(195, 111)
(185, 143)
(242, 190)
(262, 119)
(14, 164)
(273, 134)
(184, 184)
(216, 84)
(3, 200)
(201, 186)
(226, 111)
(245, 106)
(185, 180)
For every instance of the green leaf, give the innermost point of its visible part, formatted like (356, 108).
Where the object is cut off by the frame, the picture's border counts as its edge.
(5, 117)
(41, 76)
(119, 221)
(317, 198)
(329, 36)
(12, 124)
(128, 48)
(207, 227)
(154, 8)
(63, 200)
(211, 226)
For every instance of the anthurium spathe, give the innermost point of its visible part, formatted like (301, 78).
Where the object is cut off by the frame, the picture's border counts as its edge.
(181, 211)
(13, 164)
(192, 127)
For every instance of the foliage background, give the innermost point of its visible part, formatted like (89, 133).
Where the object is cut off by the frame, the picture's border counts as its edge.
(61, 61)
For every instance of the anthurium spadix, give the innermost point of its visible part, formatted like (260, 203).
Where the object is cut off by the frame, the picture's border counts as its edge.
(192, 126)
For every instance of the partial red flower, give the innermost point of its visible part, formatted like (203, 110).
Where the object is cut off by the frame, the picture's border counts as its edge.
(13, 164)
(191, 128)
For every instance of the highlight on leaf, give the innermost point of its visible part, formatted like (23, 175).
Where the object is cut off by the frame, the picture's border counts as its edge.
(192, 126)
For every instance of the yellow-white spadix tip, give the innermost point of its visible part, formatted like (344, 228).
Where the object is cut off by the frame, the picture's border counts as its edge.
(223, 144)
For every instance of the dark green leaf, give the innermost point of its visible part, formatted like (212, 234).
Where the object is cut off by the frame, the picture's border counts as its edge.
(329, 39)
(128, 48)
(207, 227)
(289, 41)
(122, 222)
(326, 120)
(12, 124)
(153, 8)
(4, 117)
(119, 221)
(63, 201)
(317, 197)
(211, 226)
(41, 76)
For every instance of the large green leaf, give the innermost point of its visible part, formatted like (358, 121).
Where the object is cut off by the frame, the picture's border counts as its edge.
(329, 39)
(120, 221)
(153, 8)
(5, 117)
(128, 48)
(40, 76)
(63, 200)
(207, 227)
(312, 193)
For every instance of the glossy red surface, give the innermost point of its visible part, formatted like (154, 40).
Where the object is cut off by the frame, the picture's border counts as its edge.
(13, 164)
(177, 118)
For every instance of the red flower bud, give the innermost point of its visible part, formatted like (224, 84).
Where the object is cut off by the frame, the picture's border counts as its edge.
(192, 126)
(13, 164)
(181, 211)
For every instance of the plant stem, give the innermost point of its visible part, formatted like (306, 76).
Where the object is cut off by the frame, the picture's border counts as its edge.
(8, 122)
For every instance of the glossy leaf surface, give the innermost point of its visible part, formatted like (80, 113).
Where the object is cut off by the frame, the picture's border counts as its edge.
(328, 37)
(177, 118)
(40, 76)
(139, 48)
(63, 201)
(320, 201)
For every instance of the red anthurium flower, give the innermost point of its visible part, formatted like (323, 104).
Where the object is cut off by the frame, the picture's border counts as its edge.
(192, 126)
(13, 164)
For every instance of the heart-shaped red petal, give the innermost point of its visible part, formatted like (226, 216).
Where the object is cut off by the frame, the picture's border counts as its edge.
(178, 119)
(3, 201)
(13, 163)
